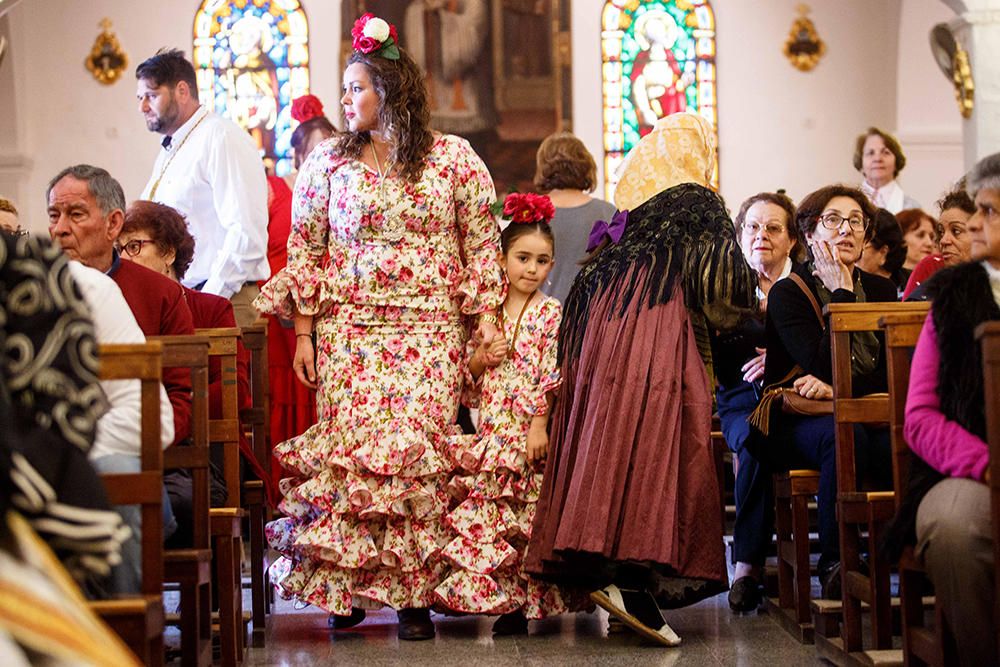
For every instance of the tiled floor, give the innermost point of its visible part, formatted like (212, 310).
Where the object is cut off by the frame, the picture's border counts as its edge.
(711, 636)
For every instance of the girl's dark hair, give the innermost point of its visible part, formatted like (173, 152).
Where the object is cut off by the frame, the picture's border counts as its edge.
(166, 227)
(885, 231)
(813, 204)
(781, 200)
(302, 132)
(403, 113)
(516, 230)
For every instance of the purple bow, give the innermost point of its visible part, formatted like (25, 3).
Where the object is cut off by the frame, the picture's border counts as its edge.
(613, 230)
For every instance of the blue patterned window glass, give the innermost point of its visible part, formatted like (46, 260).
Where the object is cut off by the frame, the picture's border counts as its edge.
(252, 60)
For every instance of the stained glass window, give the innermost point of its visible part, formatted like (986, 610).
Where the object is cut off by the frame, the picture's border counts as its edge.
(252, 60)
(658, 58)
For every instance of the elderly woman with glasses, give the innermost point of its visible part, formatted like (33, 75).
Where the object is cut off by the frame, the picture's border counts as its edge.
(835, 221)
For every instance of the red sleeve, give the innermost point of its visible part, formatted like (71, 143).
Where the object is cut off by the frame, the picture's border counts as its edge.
(924, 269)
(279, 222)
(177, 321)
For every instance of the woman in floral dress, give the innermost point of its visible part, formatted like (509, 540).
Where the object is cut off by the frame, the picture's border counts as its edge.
(404, 215)
(498, 474)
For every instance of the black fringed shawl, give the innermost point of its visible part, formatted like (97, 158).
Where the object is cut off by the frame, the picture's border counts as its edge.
(683, 232)
(962, 300)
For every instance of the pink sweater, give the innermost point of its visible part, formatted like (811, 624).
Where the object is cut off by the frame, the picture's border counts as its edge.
(941, 442)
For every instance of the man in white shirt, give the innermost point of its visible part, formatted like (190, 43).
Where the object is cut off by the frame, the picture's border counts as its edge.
(210, 170)
(118, 445)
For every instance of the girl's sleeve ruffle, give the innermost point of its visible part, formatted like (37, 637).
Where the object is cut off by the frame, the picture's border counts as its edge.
(533, 399)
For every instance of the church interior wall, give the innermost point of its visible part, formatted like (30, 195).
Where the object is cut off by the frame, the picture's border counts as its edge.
(778, 127)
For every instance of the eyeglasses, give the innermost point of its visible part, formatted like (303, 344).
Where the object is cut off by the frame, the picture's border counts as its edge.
(771, 229)
(134, 247)
(20, 231)
(834, 221)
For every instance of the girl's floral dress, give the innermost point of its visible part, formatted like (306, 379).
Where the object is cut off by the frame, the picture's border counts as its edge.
(365, 522)
(494, 486)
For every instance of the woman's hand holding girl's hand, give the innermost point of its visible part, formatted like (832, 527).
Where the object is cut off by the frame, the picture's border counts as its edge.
(754, 369)
(829, 268)
(809, 386)
(304, 363)
(538, 443)
(495, 351)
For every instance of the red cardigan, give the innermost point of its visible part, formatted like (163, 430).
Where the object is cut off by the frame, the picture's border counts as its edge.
(160, 309)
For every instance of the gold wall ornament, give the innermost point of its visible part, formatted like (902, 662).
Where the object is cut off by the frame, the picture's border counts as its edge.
(804, 48)
(106, 61)
(954, 63)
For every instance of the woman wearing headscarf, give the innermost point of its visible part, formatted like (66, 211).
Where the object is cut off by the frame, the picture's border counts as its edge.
(630, 500)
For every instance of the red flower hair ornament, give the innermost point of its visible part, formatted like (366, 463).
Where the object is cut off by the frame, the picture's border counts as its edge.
(306, 108)
(527, 208)
(375, 36)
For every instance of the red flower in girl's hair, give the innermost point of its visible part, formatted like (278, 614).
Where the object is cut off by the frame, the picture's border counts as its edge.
(306, 108)
(527, 208)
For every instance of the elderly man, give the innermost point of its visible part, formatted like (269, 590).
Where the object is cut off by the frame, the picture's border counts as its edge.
(86, 213)
(209, 169)
(118, 444)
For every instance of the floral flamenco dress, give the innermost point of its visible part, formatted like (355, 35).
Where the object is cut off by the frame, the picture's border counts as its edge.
(408, 262)
(495, 486)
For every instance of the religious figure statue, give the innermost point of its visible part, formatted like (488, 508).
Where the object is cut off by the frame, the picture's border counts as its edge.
(252, 82)
(658, 83)
(450, 40)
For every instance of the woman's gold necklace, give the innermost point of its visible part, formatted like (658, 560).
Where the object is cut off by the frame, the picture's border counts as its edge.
(391, 228)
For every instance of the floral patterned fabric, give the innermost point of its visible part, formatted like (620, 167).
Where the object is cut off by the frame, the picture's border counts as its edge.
(365, 516)
(495, 488)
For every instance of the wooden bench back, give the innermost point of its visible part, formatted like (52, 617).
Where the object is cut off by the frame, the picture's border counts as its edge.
(225, 431)
(141, 362)
(846, 319)
(192, 352)
(902, 330)
(257, 418)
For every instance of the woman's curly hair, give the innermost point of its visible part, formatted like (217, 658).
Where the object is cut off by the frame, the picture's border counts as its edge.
(166, 227)
(403, 113)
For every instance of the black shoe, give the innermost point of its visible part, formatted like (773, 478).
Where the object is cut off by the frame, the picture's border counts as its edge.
(745, 595)
(512, 623)
(337, 622)
(829, 581)
(415, 624)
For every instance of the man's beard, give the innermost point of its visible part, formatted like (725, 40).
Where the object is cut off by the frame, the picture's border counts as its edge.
(165, 120)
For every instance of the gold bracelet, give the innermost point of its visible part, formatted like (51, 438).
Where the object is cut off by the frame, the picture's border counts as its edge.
(490, 318)
(309, 335)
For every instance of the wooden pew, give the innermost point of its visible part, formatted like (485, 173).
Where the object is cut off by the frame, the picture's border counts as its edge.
(190, 568)
(922, 645)
(139, 621)
(256, 421)
(793, 490)
(857, 508)
(988, 335)
(226, 522)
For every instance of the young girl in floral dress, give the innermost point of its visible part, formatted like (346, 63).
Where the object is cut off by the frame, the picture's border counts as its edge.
(498, 475)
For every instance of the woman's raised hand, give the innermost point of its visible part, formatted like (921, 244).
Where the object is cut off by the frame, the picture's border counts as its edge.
(829, 268)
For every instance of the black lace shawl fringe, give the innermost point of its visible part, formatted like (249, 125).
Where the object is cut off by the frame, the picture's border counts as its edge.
(683, 232)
